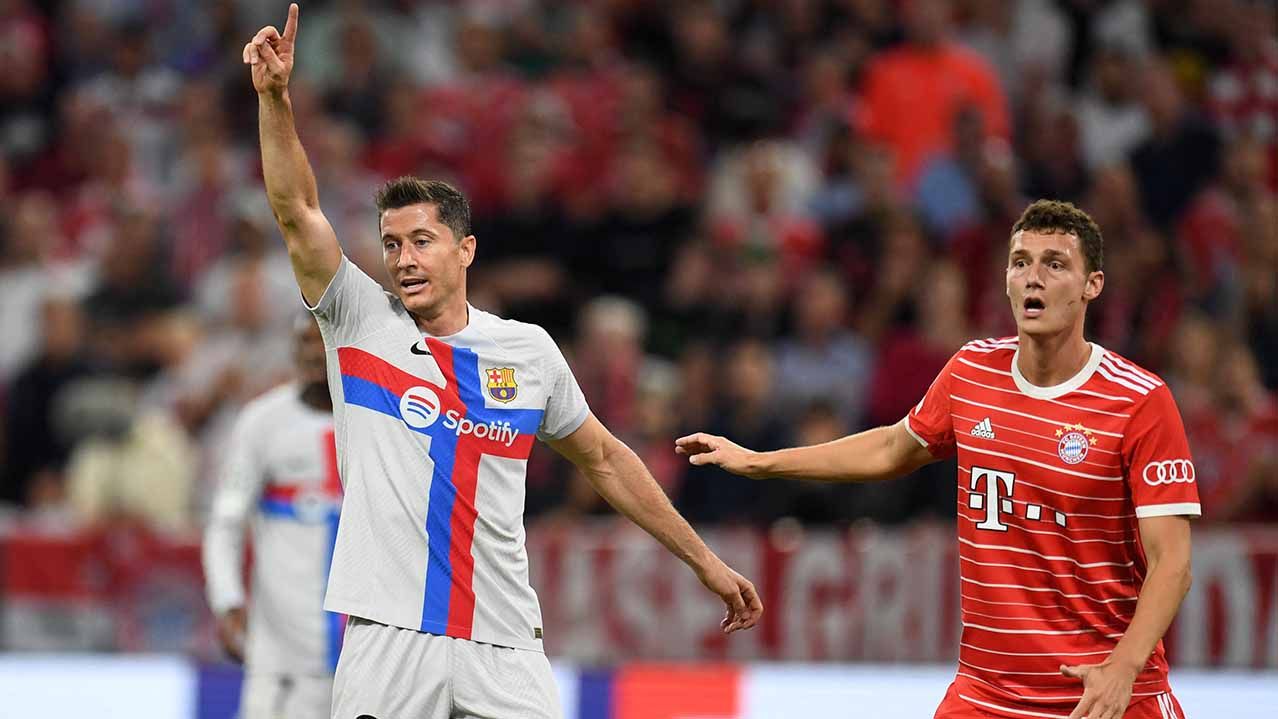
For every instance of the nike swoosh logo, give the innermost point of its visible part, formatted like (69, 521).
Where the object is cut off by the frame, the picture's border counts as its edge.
(419, 350)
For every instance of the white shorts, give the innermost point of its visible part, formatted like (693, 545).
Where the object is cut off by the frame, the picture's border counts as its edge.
(392, 673)
(285, 696)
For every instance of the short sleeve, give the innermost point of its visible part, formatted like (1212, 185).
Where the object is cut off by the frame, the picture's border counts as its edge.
(348, 309)
(1158, 466)
(930, 421)
(566, 407)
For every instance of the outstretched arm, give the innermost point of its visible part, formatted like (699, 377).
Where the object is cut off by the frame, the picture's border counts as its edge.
(621, 478)
(880, 453)
(290, 184)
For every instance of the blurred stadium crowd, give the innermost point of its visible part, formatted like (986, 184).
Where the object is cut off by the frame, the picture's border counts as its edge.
(769, 219)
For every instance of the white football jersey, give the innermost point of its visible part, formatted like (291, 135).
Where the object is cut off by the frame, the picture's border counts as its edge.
(433, 438)
(280, 476)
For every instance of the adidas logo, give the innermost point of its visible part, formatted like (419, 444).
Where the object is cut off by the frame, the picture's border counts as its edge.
(983, 429)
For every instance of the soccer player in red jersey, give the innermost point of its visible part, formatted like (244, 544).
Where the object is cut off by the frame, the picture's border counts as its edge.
(1075, 487)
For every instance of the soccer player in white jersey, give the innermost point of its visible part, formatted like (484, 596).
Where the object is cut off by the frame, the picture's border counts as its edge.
(1075, 489)
(281, 477)
(436, 405)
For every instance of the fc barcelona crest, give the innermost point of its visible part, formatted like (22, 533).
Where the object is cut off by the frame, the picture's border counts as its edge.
(501, 384)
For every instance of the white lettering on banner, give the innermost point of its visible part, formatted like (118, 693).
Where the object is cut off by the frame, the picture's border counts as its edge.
(814, 626)
(573, 618)
(1218, 561)
(640, 575)
(828, 595)
(883, 597)
(741, 551)
(993, 506)
(1169, 471)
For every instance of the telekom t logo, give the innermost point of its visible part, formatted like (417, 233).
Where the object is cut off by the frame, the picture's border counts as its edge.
(993, 500)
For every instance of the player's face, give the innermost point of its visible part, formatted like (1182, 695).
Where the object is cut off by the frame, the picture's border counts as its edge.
(425, 262)
(1048, 283)
(308, 353)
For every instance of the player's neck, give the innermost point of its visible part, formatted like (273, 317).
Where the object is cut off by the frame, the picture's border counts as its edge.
(449, 321)
(1048, 360)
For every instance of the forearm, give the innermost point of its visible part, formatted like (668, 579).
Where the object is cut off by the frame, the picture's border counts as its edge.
(620, 477)
(863, 457)
(1165, 587)
(223, 558)
(290, 183)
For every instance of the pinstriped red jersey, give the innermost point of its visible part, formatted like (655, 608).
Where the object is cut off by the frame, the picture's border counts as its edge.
(1051, 483)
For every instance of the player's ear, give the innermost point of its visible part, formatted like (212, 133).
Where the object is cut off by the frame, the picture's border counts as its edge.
(467, 250)
(1093, 286)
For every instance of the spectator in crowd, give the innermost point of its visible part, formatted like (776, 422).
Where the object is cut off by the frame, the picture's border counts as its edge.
(745, 385)
(823, 358)
(35, 449)
(1182, 153)
(930, 64)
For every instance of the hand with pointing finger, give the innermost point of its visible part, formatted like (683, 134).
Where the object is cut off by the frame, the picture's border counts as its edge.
(269, 55)
(708, 449)
(1107, 690)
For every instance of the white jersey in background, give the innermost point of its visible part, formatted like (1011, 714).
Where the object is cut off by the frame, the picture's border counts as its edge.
(433, 437)
(280, 475)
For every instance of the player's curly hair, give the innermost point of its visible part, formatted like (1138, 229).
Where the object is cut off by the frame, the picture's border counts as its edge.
(1053, 216)
(450, 203)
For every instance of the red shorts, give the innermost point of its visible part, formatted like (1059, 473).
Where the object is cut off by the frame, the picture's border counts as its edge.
(1159, 706)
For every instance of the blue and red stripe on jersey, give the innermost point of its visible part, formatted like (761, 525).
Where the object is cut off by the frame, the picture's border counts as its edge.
(281, 501)
(448, 605)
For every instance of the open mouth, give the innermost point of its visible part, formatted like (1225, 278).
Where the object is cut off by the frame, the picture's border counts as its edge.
(1034, 307)
(412, 285)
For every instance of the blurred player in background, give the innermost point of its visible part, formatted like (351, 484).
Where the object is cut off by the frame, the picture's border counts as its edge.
(1075, 491)
(281, 475)
(436, 408)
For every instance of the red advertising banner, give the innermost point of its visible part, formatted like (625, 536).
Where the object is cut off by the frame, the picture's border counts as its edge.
(609, 593)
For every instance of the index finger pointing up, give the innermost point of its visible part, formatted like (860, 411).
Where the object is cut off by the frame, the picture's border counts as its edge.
(290, 28)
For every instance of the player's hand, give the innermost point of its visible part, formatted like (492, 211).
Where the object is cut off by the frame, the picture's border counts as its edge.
(702, 449)
(230, 632)
(269, 55)
(744, 605)
(1107, 690)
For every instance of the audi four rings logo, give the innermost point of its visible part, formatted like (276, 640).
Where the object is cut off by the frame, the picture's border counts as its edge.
(1169, 471)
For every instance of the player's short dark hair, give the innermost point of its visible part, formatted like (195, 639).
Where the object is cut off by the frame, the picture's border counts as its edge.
(449, 202)
(1052, 216)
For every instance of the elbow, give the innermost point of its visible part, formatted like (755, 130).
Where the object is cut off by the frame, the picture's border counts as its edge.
(290, 210)
(1186, 579)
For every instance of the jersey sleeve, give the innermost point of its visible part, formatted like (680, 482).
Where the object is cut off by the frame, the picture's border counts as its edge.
(930, 421)
(349, 308)
(239, 487)
(566, 407)
(1156, 459)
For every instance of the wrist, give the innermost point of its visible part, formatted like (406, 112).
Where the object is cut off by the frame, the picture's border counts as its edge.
(760, 464)
(275, 94)
(1125, 661)
(702, 560)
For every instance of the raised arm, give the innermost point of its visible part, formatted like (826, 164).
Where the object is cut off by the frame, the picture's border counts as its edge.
(620, 477)
(872, 455)
(290, 184)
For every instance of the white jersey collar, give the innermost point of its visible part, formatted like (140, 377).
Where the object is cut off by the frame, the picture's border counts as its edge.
(1063, 388)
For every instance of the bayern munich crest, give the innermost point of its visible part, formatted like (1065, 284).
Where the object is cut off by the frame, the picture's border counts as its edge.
(501, 384)
(1074, 442)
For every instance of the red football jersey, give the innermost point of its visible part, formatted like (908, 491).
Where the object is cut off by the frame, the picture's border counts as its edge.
(1051, 482)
